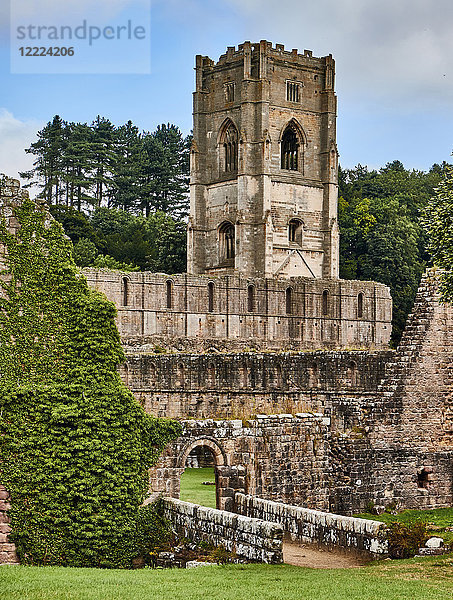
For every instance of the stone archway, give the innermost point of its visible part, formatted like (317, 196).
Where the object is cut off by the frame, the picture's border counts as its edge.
(165, 476)
(219, 460)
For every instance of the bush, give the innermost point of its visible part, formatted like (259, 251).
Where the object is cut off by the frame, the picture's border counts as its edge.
(405, 539)
(75, 445)
(152, 531)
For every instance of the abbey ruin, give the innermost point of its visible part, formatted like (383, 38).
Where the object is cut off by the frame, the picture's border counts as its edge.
(280, 371)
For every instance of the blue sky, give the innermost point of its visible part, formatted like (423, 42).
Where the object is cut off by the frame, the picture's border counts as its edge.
(394, 63)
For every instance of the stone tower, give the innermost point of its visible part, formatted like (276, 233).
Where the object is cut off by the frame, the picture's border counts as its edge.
(264, 165)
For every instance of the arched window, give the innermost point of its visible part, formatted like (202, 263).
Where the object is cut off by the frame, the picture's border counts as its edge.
(251, 298)
(210, 297)
(211, 376)
(289, 301)
(325, 302)
(352, 374)
(125, 290)
(290, 149)
(227, 242)
(295, 231)
(313, 377)
(179, 379)
(229, 148)
(169, 294)
(360, 305)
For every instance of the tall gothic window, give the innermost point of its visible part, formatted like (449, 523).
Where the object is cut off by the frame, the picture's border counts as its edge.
(290, 149)
(226, 235)
(229, 144)
(325, 302)
(360, 305)
(289, 301)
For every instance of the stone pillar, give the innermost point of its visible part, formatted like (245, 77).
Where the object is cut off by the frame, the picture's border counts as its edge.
(229, 480)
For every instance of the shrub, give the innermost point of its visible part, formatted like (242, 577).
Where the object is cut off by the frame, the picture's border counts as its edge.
(152, 531)
(405, 539)
(75, 445)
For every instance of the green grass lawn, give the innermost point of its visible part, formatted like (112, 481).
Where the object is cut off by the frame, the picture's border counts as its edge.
(438, 521)
(193, 490)
(414, 579)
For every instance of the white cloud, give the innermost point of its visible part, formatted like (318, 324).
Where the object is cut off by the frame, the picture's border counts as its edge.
(398, 53)
(15, 136)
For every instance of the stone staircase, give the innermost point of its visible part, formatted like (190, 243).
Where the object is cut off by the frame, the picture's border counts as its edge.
(8, 555)
(413, 338)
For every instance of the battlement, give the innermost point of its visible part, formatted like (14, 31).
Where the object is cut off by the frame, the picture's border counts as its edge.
(265, 49)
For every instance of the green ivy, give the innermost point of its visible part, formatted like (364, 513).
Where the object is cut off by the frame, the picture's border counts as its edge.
(75, 444)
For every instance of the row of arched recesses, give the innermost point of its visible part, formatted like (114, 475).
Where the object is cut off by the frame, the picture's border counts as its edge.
(292, 143)
(246, 376)
(326, 309)
(251, 298)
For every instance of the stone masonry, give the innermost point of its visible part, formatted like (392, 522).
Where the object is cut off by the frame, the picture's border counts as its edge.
(250, 538)
(7, 549)
(186, 313)
(246, 106)
(357, 536)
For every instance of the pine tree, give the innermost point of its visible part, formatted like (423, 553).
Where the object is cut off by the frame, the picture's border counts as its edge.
(165, 171)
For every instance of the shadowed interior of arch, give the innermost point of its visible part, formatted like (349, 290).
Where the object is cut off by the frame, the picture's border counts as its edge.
(198, 482)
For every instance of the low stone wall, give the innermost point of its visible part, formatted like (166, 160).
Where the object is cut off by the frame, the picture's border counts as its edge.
(312, 526)
(250, 538)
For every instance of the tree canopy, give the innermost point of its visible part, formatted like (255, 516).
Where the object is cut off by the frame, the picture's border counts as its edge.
(88, 166)
(382, 238)
(438, 223)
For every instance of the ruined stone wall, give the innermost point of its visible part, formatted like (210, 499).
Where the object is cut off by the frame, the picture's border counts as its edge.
(413, 417)
(388, 427)
(250, 538)
(354, 535)
(402, 456)
(7, 548)
(338, 384)
(318, 314)
(280, 457)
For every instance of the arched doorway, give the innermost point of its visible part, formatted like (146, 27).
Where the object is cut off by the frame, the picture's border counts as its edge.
(199, 467)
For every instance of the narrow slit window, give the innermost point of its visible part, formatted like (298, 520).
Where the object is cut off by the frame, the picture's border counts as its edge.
(325, 302)
(125, 283)
(251, 298)
(360, 305)
(169, 294)
(210, 297)
(352, 374)
(289, 301)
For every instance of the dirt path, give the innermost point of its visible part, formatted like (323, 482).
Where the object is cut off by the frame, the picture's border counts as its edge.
(307, 556)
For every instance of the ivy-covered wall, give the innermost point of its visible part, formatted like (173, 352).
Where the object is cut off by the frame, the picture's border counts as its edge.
(75, 444)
